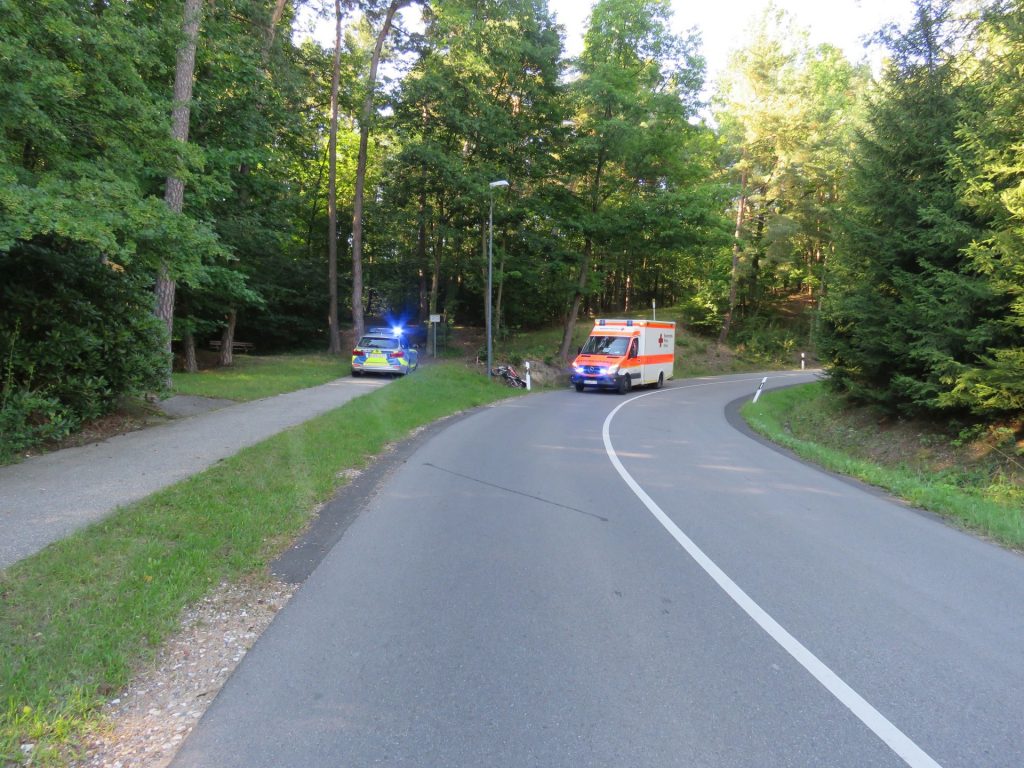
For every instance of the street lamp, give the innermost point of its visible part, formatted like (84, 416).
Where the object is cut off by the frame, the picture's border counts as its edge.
(490, 260)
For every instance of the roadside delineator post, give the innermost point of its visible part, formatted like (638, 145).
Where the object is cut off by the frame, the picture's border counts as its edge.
(527, 375)
(759, 386)
(803, 360)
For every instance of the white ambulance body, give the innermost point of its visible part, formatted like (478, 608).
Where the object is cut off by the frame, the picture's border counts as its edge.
(622, 354)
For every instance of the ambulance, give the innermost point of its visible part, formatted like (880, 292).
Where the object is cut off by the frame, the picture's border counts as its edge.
(622, 354)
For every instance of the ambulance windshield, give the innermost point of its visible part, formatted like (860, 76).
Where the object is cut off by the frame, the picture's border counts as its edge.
(606, 345)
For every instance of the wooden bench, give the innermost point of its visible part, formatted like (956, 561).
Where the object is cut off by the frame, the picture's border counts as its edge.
(243, 347)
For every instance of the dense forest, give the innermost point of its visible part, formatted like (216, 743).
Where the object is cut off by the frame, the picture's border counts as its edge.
(174, 172)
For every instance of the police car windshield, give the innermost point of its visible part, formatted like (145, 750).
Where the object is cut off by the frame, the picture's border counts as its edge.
(606, 345)
(378, 342)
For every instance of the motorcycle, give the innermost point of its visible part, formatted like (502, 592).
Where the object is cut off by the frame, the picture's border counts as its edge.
(511, 377)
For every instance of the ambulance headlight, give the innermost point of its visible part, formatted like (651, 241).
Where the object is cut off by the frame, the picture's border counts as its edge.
(578, 368)
(613, 369)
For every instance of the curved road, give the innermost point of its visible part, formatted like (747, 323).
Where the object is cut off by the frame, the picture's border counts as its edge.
(593, 580)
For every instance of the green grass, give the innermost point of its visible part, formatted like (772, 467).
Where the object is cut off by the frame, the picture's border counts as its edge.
(251, 378)
(79, 618)
(819, 427)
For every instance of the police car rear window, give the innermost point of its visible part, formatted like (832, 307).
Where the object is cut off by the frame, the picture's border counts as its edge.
(373, 342)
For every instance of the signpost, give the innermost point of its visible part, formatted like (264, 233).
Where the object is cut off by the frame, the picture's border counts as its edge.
(434, 320)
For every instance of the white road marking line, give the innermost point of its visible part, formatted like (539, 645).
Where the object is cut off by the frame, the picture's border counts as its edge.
(893, 737)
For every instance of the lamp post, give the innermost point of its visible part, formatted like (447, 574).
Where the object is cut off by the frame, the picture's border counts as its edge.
(490, 260)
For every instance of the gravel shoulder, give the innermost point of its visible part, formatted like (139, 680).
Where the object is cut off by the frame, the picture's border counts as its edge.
(147, 722)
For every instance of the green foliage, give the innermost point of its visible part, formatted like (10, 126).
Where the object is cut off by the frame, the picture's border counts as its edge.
(28, 419)
(482, 102)
(76, 334)
(909, 315)
(787, 112)
(990, 168)
(766, 341)
(649, 209)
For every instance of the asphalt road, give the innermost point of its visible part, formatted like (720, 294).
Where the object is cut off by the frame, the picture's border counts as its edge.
(594, 580)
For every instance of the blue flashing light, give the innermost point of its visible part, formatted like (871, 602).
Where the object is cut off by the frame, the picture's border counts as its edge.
(397, 330)
(629, 323)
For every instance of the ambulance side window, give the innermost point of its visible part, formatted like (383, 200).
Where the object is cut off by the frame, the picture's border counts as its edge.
(634, 348)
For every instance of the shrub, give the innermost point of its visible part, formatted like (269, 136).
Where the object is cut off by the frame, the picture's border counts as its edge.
(76, 334)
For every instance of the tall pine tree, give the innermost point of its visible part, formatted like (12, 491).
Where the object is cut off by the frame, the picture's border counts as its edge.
(906, 311)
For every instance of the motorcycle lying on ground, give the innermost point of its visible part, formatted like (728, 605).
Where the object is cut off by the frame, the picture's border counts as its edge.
(509, 374)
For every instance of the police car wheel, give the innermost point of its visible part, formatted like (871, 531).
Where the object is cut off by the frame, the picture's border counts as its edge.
(356, 373)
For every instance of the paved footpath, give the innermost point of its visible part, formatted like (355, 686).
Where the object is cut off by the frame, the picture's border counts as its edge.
(46, 498)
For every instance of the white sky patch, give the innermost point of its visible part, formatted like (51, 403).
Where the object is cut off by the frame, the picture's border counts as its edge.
(724, 26)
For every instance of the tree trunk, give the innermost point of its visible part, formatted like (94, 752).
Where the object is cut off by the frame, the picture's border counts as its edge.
(574, 310)
(275, 19)
(588, 252)
(226, 357)
(421, 254)
(174, 194)
(435, 277)
(364, 136)
(741, 211)
(334, 337)
(188, 342)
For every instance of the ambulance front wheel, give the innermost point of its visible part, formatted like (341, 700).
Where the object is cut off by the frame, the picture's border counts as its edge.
(579, 386)
(625, 384)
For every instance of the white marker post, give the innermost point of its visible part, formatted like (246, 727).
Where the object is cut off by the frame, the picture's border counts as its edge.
(759, 386)
(527, 375)
(803, 360)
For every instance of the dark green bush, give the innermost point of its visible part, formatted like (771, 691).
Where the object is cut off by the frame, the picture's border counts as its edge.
(27, 419)
(76, 334)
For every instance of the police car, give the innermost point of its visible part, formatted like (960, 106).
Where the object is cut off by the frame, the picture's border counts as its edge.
(384, 350)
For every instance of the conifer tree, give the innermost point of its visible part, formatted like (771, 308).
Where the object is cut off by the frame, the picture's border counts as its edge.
(906, 311)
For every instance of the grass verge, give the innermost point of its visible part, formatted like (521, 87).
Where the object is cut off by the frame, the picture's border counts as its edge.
(979, 488)
(251, 378)
(78, 618)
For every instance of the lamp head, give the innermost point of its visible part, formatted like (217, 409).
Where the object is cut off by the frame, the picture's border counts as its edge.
(499, 183)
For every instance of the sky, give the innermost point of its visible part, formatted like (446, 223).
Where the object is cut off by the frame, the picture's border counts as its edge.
(723, 23)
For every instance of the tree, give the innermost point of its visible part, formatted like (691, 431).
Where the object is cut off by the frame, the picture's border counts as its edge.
(84, 142)
(365, 120)
(990, 167)
(482, 102)
(334, 345)
(175, 186)
(906, 310)
(635, 91)
(787, 113)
